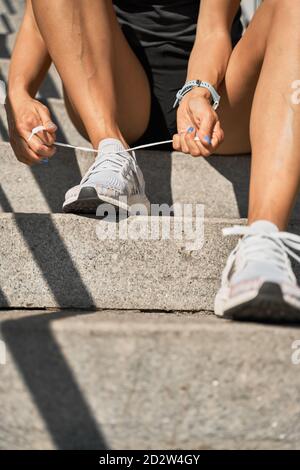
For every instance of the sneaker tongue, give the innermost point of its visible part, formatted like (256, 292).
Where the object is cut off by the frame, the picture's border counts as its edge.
(263, 226)
(110, 146)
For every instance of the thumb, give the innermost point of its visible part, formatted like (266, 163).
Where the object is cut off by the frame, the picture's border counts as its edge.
(206, 129)
(46, 120)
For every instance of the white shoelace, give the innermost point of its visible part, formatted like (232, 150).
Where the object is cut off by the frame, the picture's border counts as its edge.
(87, 149)
(256, 248)
(116, 162)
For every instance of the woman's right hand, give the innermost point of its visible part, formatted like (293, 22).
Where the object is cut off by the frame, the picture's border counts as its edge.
(24, 114)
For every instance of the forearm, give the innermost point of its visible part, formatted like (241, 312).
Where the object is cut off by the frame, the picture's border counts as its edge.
(30, 59)
(212, 48)
(209, 58)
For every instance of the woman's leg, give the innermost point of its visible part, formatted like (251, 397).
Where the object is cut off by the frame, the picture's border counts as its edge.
(104, 82)
(258, 282)
(264, 65)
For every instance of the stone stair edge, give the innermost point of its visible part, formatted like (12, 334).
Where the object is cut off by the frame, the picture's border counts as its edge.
(57, 217)
(62, 216)
(105, 321)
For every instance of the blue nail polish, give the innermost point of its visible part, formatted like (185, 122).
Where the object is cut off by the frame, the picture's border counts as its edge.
(207, 139)
(190, 130)
(45, 161)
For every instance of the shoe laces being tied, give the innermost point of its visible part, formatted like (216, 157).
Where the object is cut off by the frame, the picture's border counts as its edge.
(120, 163)
(261, 246)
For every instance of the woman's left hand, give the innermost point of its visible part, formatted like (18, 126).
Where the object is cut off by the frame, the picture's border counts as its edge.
(197, 118)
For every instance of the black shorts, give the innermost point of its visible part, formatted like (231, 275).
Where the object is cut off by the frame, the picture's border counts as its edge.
(162, 34)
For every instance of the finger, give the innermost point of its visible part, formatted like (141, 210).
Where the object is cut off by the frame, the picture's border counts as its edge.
(218, 136)
(41, 149)
(206, 128)
(37, 146)
(183, 143)
(48, 135)
(176, 142)
(204, 151)
(47, 122)
(25, 155)
(194, 148)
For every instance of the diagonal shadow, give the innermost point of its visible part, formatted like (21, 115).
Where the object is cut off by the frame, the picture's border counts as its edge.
(4, 202)
(51, 382)
(156, 167)
(6, 24)
(9, 7)
(3, 300)
(3, 130)
(54, 179)
(52, 256)
(48, 88)
(236, 169)
(37, 354)
(4, 50)
(60, 174)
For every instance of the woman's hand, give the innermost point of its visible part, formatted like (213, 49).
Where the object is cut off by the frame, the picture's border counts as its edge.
(197, 118)
(24, 114)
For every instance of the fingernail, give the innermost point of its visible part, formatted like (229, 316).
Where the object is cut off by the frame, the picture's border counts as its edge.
(207, 139)
(190, 130)
(51, 125)
(45, 161)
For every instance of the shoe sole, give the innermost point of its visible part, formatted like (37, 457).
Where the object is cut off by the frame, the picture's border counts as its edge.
(268, 306)
(88, 201)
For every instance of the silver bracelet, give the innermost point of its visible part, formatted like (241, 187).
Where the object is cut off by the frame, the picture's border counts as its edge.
(198, 83)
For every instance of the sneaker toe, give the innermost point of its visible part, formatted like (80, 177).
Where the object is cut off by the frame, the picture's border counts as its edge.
(72, 192)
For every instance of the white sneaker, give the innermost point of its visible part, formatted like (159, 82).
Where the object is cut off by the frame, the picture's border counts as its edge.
(258, 282)
(114, 178)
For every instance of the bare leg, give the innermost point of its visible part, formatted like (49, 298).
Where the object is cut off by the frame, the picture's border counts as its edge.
(104, 81)
(264, 65)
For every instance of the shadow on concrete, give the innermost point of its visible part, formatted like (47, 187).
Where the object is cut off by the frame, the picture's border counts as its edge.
(51, 382)
(10, 8)
(3, 131)
(48, 89)
(55, 178)
(156, 168)
(238, 175)
(4, 50)
(4, 202)
(3, 300)
(52, 257)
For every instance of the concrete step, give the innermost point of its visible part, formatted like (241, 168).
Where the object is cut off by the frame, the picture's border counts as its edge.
(11, 15)
(67, 261)
(219, 183)
(116, 380)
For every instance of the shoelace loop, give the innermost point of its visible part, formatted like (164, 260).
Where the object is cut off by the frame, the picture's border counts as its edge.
(116, 162)
(287, 241)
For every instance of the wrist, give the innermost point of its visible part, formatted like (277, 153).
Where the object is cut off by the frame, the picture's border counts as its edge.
(198, 92)
(17, 91)
(205, 89)
(16, 96)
